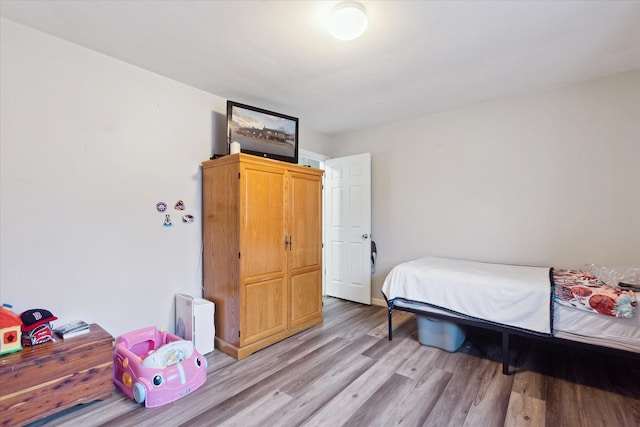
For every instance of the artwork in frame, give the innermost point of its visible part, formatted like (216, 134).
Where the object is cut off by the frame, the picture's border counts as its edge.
(262, 133)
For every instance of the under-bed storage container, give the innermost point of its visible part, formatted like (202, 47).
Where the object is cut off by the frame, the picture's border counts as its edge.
(442, 334)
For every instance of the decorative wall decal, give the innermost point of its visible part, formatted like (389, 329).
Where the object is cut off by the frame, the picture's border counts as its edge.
(187, 219)
(161, 206)
(167, 221)
(179, 205)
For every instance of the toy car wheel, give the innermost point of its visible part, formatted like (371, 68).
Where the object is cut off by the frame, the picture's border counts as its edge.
(139, 392)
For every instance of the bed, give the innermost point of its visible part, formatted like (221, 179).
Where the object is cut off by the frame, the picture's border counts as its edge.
(572, 306)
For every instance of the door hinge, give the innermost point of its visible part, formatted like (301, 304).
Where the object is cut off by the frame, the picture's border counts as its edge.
(238, 255)
(238, 334)
(238, 175)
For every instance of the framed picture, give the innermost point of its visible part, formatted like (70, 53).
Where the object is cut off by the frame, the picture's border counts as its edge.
(262, 133)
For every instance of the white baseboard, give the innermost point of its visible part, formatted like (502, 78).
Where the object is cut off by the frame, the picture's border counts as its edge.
(374, 301)
(378, 301)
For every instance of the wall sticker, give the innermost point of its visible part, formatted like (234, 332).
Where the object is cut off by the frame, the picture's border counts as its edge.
(161, 206)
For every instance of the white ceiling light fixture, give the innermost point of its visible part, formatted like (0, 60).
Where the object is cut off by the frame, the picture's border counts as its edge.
(348, 20)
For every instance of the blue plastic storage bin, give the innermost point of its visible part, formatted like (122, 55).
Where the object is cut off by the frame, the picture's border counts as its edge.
(442, 334)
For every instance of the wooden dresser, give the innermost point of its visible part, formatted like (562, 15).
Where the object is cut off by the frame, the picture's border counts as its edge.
(41, 380)
(262, 250)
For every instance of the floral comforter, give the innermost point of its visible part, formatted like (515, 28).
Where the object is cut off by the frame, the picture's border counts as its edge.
(583, 291)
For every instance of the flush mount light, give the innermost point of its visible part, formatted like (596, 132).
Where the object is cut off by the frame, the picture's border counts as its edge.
(348, 20)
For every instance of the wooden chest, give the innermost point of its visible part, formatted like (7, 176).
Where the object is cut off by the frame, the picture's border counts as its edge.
(44, 379)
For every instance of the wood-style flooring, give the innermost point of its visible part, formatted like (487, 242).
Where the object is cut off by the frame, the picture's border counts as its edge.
(345, 372)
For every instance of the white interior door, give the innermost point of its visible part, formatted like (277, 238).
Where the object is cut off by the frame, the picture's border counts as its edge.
(348, 227)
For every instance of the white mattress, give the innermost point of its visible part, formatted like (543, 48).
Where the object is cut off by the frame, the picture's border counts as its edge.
(517, 296)
(598, 329)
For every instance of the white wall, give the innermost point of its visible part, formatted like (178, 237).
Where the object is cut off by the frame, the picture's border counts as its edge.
(548, 179)
(88, 145)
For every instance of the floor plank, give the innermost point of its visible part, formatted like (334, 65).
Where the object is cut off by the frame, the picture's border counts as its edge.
(524, 411)
(418, 403)
(489, 406)
(389, 394)
(359, 391)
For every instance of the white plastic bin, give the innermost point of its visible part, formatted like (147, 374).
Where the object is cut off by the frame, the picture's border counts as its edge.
(194, 321)
(442, 334)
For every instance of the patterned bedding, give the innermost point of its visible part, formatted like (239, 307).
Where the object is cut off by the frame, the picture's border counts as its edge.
(581, 290)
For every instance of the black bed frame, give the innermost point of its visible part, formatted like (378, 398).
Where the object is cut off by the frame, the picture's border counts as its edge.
(504, 329)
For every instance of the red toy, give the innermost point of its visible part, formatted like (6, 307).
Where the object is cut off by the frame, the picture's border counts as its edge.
(10, 325)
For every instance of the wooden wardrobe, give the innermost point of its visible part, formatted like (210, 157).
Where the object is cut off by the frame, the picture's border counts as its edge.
(262, 250)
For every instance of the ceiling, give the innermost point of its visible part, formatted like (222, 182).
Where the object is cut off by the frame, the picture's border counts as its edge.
(416, 58)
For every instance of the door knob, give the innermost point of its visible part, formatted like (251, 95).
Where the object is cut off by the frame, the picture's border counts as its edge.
(365, 236)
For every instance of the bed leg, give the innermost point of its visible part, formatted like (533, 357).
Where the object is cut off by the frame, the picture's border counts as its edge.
(505, 353)
(389, 321)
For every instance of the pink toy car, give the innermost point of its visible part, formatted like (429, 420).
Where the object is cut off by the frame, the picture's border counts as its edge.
(156, 367)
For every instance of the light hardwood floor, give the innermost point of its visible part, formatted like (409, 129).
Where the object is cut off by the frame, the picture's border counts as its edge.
(345, 372)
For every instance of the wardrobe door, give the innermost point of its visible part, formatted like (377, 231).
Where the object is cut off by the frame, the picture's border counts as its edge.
(263, 257)
(305, 247)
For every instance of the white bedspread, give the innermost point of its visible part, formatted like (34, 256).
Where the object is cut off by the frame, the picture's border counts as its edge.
(517, 296)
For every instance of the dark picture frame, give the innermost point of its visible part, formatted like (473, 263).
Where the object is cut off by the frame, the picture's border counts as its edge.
(262, 133)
